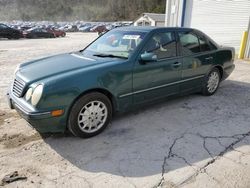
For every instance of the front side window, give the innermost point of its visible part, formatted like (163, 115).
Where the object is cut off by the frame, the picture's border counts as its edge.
(189, 43)
(162, 44)
(116, 43)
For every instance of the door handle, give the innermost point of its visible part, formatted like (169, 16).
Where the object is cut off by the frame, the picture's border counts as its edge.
(209, 58)
(176, 64)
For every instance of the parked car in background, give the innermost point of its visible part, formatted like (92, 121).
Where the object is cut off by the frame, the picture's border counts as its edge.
(70, 28)
(67, 26)
(25, 28)
(84, 25)
(99, 28)
(121, 70)
(85, 28)
(110, 27)
(9, 33)
(38, 33)
(57, 32)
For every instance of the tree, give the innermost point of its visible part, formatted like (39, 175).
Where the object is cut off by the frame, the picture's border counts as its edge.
(69, 10)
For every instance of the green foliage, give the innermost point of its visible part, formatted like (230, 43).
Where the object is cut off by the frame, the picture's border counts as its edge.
(70, 10)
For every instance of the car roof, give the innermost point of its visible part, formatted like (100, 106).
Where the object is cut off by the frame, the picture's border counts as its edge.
(151, 28)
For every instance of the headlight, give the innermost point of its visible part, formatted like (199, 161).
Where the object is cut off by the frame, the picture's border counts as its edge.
(28, 94)
(37, 94)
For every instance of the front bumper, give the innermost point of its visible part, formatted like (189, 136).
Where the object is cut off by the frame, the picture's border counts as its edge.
(42, 121)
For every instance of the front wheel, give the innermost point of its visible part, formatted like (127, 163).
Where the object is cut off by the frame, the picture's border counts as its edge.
(212, 82)
(90, 115)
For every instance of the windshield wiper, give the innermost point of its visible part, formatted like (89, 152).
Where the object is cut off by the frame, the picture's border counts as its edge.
(110, 55)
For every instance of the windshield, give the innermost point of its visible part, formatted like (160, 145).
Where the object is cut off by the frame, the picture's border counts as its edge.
(116, 44)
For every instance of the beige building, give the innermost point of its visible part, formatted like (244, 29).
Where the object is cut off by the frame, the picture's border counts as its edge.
(223, 20)
(150, 19)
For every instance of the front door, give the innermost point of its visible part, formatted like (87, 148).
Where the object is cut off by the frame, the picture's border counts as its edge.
(160, 78)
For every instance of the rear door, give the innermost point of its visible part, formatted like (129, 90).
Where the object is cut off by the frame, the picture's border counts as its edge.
(158, 79)
(197, 59)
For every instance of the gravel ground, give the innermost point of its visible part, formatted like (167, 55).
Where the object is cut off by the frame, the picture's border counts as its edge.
(191, 141)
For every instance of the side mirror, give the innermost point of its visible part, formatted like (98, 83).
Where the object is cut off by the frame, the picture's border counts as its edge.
(148, 57)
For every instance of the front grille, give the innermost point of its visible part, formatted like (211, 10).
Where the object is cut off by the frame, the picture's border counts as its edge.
(18, 87)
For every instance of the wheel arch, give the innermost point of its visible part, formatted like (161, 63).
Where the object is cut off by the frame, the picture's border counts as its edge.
(220, 68)
(99, 90)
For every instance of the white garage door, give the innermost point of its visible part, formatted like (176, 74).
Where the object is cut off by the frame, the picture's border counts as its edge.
(222, 20)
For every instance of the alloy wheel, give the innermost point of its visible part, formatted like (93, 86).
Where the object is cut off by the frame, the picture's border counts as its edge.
(213, 81)
(92, 116)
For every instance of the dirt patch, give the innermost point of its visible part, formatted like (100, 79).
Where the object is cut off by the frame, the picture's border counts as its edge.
(4, 116)
(16, 140)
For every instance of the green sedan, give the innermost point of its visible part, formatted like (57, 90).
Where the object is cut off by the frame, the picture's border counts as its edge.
(123, 69)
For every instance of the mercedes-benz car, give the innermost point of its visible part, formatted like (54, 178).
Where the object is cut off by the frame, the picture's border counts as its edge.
(123, 69)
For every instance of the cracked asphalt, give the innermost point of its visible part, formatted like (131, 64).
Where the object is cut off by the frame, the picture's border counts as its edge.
(190, 141)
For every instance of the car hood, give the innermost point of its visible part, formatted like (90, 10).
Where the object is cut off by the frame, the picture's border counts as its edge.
(55, 65)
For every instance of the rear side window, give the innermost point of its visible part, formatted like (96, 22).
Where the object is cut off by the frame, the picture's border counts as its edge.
(212, 46)
(192, 43)
(189, 43)
(204, 45)
(162, 44)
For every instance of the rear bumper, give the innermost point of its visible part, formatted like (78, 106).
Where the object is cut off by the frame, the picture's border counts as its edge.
(42, 121)
(227, 71)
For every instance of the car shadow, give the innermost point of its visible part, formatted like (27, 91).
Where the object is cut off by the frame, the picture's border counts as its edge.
(171, 135)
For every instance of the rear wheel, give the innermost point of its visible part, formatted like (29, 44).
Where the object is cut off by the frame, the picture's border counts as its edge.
(90, 115)
(212, 82)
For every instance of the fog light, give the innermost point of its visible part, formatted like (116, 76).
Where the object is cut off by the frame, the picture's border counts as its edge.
(57, 113)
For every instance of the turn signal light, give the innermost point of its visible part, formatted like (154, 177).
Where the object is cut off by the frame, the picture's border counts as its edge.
(57, 113)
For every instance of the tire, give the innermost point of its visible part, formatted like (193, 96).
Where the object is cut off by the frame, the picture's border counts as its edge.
(86, 122)
(211, 82)
(17, 36)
